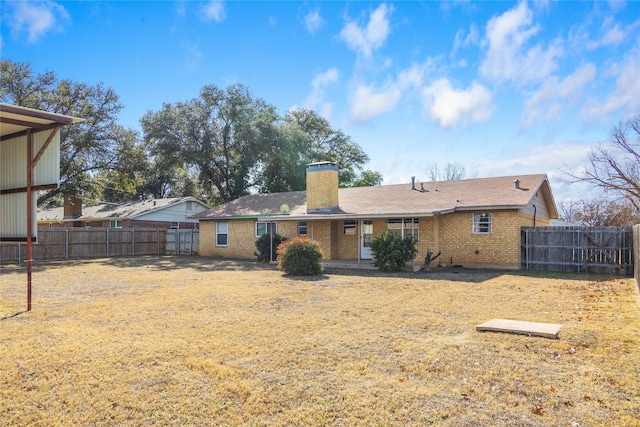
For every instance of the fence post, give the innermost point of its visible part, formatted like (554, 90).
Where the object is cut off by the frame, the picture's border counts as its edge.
(133, 242)
(580, 253)
(19, 253)
(66, 243)
(107, 243)
(158, 240)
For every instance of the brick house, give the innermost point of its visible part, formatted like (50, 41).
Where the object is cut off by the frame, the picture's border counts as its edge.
(473, 222)
(146, 213)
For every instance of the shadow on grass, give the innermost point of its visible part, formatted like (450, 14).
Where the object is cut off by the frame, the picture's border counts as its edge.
(13, 315)
(460, 274)
(315, 278)
(204, 264)
(156, 262)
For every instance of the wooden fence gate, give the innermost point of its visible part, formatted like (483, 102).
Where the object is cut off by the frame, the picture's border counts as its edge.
(578, 249)
(182, 242)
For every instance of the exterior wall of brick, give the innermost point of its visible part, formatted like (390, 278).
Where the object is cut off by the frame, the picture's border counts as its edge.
(347, 244)
(321, 231)
(451, 233)
(241, 239)
(322, 187)
(500, 248)
(288, 229)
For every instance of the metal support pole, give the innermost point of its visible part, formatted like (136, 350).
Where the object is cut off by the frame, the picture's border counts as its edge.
(29, 218)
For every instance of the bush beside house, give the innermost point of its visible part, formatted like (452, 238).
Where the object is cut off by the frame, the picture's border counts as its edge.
(300, 256)
(391, 251)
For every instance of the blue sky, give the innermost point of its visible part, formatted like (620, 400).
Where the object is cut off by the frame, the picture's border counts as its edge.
(503, 88)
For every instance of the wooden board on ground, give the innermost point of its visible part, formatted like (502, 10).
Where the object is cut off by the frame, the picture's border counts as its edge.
(547, 330)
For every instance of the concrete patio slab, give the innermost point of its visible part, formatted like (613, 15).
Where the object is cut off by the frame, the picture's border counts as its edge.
(547, 330)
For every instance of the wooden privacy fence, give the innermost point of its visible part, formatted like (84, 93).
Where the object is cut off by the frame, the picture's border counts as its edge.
(182, 242)
(578, 249)
(73, 243)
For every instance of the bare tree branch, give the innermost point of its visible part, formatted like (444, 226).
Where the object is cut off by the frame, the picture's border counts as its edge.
(614, 166)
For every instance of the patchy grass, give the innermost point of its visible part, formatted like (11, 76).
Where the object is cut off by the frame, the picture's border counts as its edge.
(198, 341)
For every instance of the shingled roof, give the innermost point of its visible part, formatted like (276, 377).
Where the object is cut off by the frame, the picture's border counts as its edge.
(130, 210)
(426, 199)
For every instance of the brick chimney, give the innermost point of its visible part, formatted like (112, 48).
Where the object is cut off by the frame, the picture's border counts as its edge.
(72, 207)
(322, 187)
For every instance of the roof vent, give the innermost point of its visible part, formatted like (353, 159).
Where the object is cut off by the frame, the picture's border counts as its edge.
(413, 182)
(516, 184)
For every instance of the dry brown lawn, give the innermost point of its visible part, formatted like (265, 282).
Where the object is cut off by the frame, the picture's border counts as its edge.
(198, 341)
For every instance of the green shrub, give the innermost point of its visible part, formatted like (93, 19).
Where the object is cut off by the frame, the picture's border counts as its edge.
(300, 256)
(391, 252)
(265, 247)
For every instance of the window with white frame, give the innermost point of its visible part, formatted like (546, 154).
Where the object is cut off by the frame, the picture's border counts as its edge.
(302, 228)
(349, 227)
(115, 223)
(263, 228)
(222, 234)
(404, 227)
(482, 223)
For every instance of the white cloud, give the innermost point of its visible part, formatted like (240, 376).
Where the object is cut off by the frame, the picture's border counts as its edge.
(318, 87)
(549, 159)
(612, 33)
(508, 57)
(369, 103)
(313, 21)
(625, 97)
(213, 11)
(465, 40)
(366, 39)
(448, 106)
(555, 95)
(36, 18)
(193, 55)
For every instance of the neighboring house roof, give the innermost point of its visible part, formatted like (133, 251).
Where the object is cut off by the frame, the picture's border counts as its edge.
(128, 210)
(397, 200)
(563, 223)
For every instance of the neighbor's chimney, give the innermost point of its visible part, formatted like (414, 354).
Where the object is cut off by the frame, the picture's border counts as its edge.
(516, 184)
(72, 207)
(322, 187)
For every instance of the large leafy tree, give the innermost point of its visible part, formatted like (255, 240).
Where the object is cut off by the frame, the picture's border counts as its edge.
(127, 175)
(86, 148)
(220, 135)
(322, 143)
